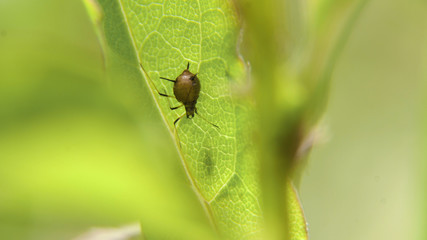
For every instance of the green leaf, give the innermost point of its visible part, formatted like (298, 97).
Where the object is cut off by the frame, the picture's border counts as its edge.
(297, 224)
(220, 163)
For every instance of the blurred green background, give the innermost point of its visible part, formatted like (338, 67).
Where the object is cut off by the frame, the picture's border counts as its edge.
(364, 181)
(73, 156)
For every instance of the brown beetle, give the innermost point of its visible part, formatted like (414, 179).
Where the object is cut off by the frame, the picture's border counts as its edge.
(186, 89)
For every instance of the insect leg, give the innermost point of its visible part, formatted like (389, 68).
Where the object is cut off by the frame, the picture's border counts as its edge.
(167, 79)
(157, 90)
(174, 108)
(176, 120)
(205, 119)
(176, 131)
(165, 95)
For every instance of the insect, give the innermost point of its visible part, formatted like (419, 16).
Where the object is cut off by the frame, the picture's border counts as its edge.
(186, 89)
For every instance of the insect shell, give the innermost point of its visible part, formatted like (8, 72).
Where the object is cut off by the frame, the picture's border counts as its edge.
(186, 89)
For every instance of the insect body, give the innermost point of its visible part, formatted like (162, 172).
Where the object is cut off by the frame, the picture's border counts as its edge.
(186, 89)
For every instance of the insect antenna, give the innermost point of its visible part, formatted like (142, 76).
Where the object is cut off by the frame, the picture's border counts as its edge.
(195, 75)
(206, 120)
